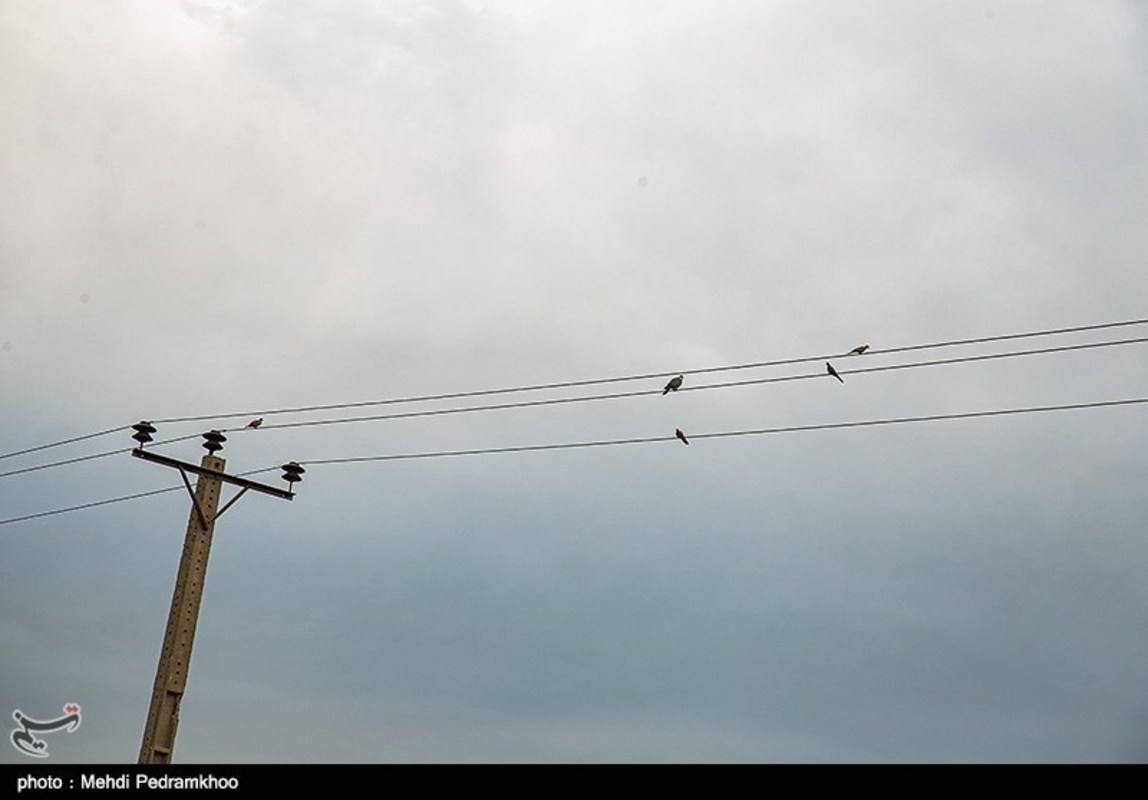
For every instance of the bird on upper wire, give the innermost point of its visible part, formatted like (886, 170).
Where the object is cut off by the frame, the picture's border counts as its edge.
(833, 372)
(680, 435)
(255, 423)
(859, 349)
(674, 384)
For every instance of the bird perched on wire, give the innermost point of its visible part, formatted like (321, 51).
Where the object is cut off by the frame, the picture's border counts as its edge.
(255, 423)
(859, 349)
(833, 372)
(680, 435)
(674, 384)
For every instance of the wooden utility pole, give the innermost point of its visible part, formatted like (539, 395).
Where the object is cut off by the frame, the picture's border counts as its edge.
(175, 656)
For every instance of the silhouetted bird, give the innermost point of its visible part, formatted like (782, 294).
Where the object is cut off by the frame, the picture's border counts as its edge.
(674, 384)
(859, 349)
(255, 423)
(833, 372)
(680, 435)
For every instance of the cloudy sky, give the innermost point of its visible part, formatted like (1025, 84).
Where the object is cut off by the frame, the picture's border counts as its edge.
(212, 207)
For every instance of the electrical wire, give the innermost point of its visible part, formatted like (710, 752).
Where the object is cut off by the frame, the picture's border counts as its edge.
(645, 376)
(93, 456)
(558, 385)
(89, 505)
(723, 385)
(618, 442)
(64, 442)
(111, 500)
(727, 434)
(598, 397)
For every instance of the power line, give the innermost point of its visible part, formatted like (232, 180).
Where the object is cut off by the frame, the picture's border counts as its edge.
(89, 505)
(63, 442)
(64, 462)
(1006, 337)
(556, 385)
(723, 385)
(598, 397)
(618, 442)
(933, 363)
(647, 375)
(111, 500)
(927, 418)
(91, 457)
(727, 434)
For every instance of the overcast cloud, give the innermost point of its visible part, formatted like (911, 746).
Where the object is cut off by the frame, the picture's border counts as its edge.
(214, 207)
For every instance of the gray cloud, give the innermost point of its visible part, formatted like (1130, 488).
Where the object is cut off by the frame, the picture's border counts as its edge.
(214, 207)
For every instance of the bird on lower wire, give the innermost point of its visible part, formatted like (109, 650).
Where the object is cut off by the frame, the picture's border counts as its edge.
(833, 372)
(255, 423)
(680, 435)
(674, 384)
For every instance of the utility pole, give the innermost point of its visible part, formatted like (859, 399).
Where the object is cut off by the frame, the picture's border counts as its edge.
(175, 656)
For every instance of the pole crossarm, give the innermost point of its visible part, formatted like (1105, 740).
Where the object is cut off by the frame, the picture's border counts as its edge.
(243, 483)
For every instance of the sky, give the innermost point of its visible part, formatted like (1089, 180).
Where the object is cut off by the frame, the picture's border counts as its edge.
(212, 208)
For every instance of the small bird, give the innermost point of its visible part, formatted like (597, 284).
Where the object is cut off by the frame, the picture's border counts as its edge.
(680, 435)
(833, 372)
(859, 349)
(255, 423)
(674, 384)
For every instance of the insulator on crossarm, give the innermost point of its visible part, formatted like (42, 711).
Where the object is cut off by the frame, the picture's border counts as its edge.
(143, 430)
(213, 441)
(292, 473)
